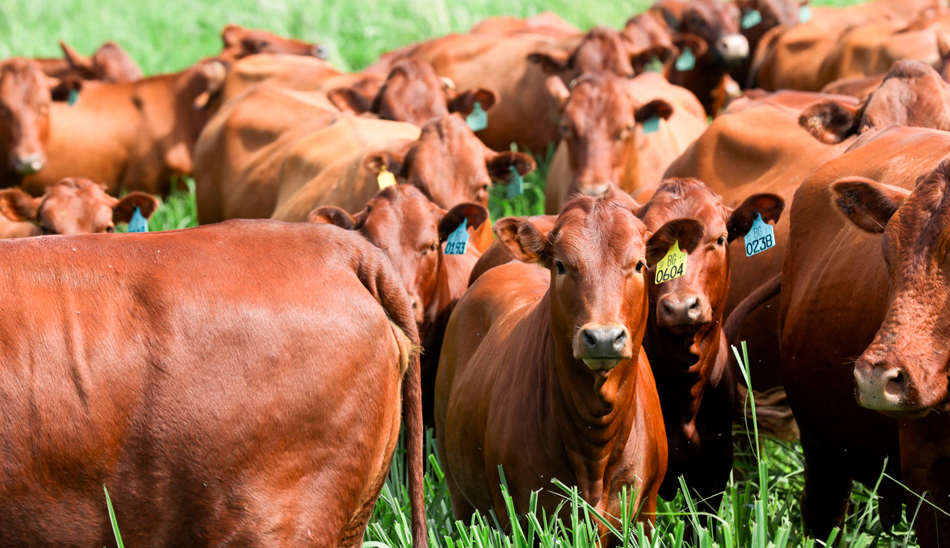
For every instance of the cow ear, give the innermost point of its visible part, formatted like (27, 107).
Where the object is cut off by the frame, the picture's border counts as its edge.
(473, 213)
(464, 103)
(551, 62)
(123, 211)
(393, 162)
(329, 215)
(60, 90)
(769, 206)
(868, 203)
(18, 206)
(83, 65)
(558, 92)
(696, 45)
(657, 108)
(688, 232)
(231, 35)
(499, 165)
(349, 100)
(525, 242)
(214, 73)
(831, 122)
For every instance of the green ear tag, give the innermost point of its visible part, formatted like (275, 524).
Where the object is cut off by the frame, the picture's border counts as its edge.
(804, 14)
(686, 60)
(751, 19)
(515, 183)
(457, 241)
(138, 223)
(672, 266)
(655, 65)
(651, 125)
(478, 119)
(72, 97)
(760, 237)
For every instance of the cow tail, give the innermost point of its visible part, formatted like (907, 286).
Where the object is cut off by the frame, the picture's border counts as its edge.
(748, 305)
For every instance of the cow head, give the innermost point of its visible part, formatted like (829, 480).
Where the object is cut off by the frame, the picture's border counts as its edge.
(412, 93)
(449, 164)
(913, 94)
(404, 223)
(74, 206)
(598, 123)
(110, 63)
(714, 21)
(774, 13)
(906, 369)
(601, 50)
(240, 42)
(647, 33)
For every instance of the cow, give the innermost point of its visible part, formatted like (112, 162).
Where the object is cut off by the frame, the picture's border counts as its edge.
(240, 42)
(772, 14)
(71, 206)
(109, 63)
(342, 164)
(604, 137)
(648, 31)
(542, 376)
(860, 262)
(413, 231)
(268, 417)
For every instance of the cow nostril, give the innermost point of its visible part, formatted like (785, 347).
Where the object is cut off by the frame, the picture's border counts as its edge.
(588, 339)
(895, 385)
(620, 340)
(694, 305)
(667, 309)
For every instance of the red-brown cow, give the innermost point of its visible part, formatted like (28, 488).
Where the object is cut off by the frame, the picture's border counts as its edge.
(235, 383)
(543, 375)
(241, 42)
(772, 14)
(295, 72)
(109, 63)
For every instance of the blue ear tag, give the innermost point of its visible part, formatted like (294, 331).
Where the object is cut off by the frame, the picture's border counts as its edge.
(686, 61)
(138, 223)
(478, 119)
(515, 183)
(804, 14)
(72, 97)
(651, 125)
(655, 65)
(457, 242)
(760, 237)
(751, 19)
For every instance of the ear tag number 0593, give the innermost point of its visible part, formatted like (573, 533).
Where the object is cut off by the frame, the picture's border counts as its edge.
(138, 222)
(385, 179)
(760, 237)
(672, 266)
(457, 241)
(478, 119)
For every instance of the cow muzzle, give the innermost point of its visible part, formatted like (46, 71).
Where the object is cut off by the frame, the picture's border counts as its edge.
(602, 346)
(682, 311)
(595, 190)
(321, 51)
(732, 49)
(27, 164)
(880, 387)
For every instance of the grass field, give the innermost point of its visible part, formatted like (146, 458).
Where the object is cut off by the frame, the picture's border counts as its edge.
(760, 508)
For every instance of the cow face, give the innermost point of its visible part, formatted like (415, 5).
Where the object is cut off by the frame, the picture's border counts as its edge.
(913, 94)
(905, 369)
(449, 164)
(601, 50)
(110, 63)
(715, 22)
(240, 42)
(694, 302)
(598, 124)
(401, 221)
(74, 206)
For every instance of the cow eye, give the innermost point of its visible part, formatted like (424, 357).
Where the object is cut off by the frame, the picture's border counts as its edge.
(560, 267)
(640, 266)
(721, 241)
(565, 129)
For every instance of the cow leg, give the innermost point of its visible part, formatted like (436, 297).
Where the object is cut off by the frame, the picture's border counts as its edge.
(462, 509)
(826, 494)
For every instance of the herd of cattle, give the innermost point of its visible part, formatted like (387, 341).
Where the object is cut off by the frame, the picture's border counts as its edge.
(245, 382)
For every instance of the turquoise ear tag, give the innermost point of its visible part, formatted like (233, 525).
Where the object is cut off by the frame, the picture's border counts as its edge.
(138, 223)
(804, 14)
(478, 119)
(457, 242)
(751, 19)
(651, 125)
(760, 237)
(686, 61)
(515, 183)
(72, 97)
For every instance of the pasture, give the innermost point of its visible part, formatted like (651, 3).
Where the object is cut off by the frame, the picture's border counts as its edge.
(761, 507)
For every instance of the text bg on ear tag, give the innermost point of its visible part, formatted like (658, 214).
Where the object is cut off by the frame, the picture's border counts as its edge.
(138, 223)
(478, 119)
(72, 97)
(672, 266)
(515, 183)
(651, 125)
(385, 179)
(655, 65)
(458, 240)
(751, 19)
(760, 237)
(804, 14)
(686, 61)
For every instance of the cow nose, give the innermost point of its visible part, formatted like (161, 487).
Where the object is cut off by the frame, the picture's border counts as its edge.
(595, 190)
(880, 387)
(681, 310)
(29, 163)
(321, 52)
(606, 341)
(732, 48)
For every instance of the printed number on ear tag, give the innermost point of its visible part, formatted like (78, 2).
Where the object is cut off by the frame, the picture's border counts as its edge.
(672, 266)
(385, 179)
(651, 125)
(686, 60)
(457, 242)
(760, 237)
(138, 223)
(751, 19)
(804, 14)
(72, 97)
(515, 183)
(655, 65)
(478, 119)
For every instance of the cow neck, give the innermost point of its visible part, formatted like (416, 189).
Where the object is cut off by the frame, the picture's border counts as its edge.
(594, 417)
(630, 174)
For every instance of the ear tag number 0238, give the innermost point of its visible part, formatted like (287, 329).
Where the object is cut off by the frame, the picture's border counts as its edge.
(672, 266)
(760, 237)
(457, 242)
(515, 183)
(478, 119)
(138, 222)
(686, 60)
(385, 179)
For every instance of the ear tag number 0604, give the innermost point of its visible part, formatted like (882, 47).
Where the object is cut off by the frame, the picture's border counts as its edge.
(672, 266)
(760, 237)
(457, 241)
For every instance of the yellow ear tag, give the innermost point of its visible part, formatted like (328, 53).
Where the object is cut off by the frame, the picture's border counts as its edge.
(385, 179)
(672, 266)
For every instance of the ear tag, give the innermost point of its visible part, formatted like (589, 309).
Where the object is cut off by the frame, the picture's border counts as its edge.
(651, 125)
(804, 14)
(457, 242)
(760, 237)
(655, 65)
(477, 120)
(72, 97)
(751, 19)
(686, 60)
(138, 223)
(515, 183)
(672, 266)
(385, 179)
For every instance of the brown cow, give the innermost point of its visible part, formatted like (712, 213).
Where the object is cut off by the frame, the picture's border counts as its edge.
(543, 375)
(773, 14)
(109, 63)
(412, 230)
(845, 293)
(241, 42)
(72, 206)
(648, 31)
(604, 141)
(266, 417)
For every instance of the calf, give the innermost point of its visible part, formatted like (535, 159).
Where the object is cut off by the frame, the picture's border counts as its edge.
(109, 63)
(269, 417)
(241, 42)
